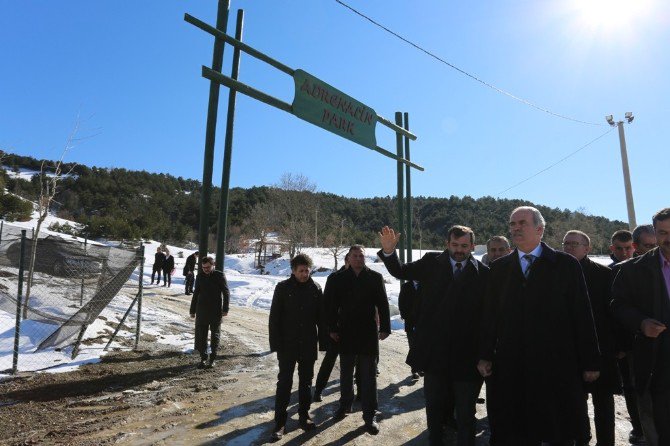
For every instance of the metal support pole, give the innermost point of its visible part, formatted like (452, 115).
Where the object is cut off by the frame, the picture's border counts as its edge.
(2, 226)
(210, 134)
(401, 213)
(626, 178)
(81, 292)
(408, 193)
(228, 151)
(19, 298)
(138, 328)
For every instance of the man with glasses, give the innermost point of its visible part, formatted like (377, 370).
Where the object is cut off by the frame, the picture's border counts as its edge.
(644, 239)
(599, 282)
(539, 342)
(208, 306)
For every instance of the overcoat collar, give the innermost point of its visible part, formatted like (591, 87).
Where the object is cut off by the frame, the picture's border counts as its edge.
(443, 259)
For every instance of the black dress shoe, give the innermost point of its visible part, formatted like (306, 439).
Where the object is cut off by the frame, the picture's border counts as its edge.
(202, 364)
(415, 376)
(372, 427)
(340, 413)
(317, 396)
(211, 363)
(307, 424)
(277, 433)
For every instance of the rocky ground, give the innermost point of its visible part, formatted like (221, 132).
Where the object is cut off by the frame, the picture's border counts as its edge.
(157, 396)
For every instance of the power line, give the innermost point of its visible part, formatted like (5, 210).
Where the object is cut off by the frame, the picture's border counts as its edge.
(557, 162)
(471, 76)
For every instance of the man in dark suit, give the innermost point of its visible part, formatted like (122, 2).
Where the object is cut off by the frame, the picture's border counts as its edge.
(539, 340)
(356, 295)
(189, 273)
(642, 304)
(599, 284)
(296, 328)
(208, 306)
(622, 249)
(447, 330)
(409, 305)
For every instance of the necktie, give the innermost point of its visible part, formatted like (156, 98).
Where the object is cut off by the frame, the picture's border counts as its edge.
(458, 269)
(529, 258)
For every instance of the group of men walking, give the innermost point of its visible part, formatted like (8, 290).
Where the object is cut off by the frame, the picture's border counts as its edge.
(543, 328)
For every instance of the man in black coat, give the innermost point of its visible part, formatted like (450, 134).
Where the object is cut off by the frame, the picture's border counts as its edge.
(599, 284)
(409, 305)
(189, 273)
(358, 294)
(447, 330)
(159, 258)
(297, 325)
(539, 340)
(641, 303)
(208, 306)
(332, 348)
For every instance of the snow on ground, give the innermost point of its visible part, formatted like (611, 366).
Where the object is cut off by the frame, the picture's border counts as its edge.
(248, 286)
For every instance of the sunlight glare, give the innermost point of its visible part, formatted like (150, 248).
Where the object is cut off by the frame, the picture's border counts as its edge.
(610, 15)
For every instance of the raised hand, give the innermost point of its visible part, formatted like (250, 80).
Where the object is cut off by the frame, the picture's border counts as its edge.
(389, 239)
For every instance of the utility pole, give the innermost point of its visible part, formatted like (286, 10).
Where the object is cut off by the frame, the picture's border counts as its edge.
(624, 165)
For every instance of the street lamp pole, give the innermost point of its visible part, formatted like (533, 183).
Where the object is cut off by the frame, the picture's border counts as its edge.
(624, 165)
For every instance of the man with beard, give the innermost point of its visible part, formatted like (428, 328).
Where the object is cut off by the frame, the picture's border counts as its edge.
(539, 340)
(447, 330)
(642, 304)
(599, 284)
(356, 295)
(296, 329)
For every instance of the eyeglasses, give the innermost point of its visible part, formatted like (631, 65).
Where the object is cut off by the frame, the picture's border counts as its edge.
(572, 244)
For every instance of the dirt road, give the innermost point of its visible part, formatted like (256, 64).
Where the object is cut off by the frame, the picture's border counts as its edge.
(157, 396)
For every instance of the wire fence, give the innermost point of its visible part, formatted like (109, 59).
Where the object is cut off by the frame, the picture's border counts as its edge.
(52, 291)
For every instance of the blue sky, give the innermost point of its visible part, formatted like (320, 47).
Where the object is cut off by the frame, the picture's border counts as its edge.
(131, 71)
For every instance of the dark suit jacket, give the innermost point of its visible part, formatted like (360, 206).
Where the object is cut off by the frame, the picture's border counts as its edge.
(353, 303)
(448, 326)
(599, 284)
(540, 334)
(296, 322)
(639, 293)
(409, 305)
(210, 297)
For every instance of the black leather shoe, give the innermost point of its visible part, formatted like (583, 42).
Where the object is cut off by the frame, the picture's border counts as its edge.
(277, 433)
(340, 413)
(307, 424)
(202, 364)
(211, 363)
(372, 427)
(317, 396)
(415, 376)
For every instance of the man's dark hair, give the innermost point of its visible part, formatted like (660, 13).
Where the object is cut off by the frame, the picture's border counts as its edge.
(661, 215)
(642, 229)
(301, 259)
(622, 235)
(207, 259)
(355, 247)
(497, 238)
(346, 257)
(459, 231)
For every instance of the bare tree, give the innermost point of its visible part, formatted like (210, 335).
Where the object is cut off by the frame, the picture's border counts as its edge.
(48, 189)
(296, 203)
(261, 223)
(334, 240)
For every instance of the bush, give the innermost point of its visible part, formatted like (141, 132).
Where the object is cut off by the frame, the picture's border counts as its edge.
(13, 208)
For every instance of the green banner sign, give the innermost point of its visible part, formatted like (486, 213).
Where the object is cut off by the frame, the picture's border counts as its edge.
(321, 104)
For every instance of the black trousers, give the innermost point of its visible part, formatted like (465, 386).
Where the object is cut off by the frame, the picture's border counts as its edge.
(603, 418)
(411, 340)
(629, 392)
(167, 277)
(367, 372)
(156, 269)
(201, 330)
(189, 280)
(287, 362)
(660, 401)
(438, 391)
(326, 367)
